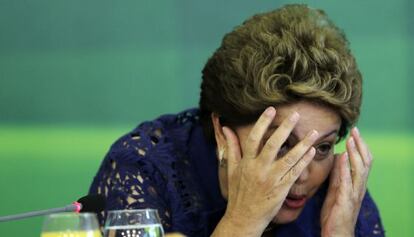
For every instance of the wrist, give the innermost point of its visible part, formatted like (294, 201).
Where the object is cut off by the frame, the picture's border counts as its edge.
(339, 235)
(336, 234)
(231, 225)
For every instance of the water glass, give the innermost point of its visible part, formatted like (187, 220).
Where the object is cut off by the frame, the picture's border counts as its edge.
(133, 223)
(71, 225)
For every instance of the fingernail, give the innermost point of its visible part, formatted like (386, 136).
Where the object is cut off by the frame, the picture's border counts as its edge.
(294, 117)
(356, 131)
(313, 151)
(224, 131)
(270, 111)
(313, 135)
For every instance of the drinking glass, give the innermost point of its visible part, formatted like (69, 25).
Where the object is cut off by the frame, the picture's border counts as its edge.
(133, 223)
(71, 225)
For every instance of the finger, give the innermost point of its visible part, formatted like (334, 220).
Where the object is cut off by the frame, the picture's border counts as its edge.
(335, 178)
(255, 136)
(356, 163)
(362, 147)
(273, 144)
(293, 174)
(296, 153)
(345, 187)
(334, 182)
(233, 153)
(371, 158)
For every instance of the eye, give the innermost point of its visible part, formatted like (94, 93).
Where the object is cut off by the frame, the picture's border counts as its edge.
(323, 150)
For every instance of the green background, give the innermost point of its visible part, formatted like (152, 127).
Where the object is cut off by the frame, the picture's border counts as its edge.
(75, 75)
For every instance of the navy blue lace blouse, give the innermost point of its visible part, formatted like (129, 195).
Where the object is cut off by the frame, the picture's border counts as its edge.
(168, 165)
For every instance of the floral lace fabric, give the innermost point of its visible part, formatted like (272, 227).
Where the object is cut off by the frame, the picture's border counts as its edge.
(166, 164)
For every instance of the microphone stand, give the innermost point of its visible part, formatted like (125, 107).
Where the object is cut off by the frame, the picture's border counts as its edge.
(75, 207)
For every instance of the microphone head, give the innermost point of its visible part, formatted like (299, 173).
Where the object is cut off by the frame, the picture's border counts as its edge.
(92, 203)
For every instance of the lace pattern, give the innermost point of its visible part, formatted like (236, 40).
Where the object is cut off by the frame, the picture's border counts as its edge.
(369, 222)
(148, 168)
(151, 167)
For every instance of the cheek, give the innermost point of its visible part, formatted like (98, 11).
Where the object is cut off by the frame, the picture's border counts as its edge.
(319, 170)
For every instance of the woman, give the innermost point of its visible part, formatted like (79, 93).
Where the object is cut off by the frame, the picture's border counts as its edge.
(257, 157)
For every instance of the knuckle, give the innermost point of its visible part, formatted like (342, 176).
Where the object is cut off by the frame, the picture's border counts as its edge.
(302, 146)
(272, 144)
(252, 138)
(295, 172)
(289, 160)
(300, 166)
(287, 125)
(306, 143)
(262, 181)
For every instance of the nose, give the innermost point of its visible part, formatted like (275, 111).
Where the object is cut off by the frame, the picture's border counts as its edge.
(303, 176)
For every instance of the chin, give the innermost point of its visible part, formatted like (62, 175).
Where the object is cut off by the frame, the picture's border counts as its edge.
(286, 215)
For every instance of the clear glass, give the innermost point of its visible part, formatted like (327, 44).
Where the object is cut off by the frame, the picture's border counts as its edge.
(71, 225)
(133, 223)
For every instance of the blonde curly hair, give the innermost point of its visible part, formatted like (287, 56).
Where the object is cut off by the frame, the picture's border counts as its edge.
(280, 57)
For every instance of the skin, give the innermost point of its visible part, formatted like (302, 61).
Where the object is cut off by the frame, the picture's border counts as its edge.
(289, 152)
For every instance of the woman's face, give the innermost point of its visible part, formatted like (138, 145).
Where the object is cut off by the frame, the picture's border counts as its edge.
(312, 116)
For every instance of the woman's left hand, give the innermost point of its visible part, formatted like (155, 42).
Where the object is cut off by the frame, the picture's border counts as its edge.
(347, 188)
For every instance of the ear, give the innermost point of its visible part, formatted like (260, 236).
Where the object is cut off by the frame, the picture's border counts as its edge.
(218, 132)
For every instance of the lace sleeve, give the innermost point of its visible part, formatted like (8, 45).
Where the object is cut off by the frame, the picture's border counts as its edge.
(369, 221)
(129, 180)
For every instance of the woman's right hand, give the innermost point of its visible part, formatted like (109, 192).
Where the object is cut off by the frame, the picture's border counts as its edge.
(258, 183)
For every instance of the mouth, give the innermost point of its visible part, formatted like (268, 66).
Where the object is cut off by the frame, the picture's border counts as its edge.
(295, 201)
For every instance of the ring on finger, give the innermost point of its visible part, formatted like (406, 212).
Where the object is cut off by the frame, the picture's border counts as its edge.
(222, 160)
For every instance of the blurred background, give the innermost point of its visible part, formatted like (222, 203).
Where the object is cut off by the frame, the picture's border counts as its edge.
(75, 75)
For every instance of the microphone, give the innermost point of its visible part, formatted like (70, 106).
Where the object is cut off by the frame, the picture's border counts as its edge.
(90, 203)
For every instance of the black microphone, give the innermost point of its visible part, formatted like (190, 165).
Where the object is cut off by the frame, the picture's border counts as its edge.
(90, 203)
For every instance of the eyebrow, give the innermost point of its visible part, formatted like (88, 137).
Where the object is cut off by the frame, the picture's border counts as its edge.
(327, 134)
(274, 127)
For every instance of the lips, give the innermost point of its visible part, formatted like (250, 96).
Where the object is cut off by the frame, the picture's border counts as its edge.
(295, 201)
